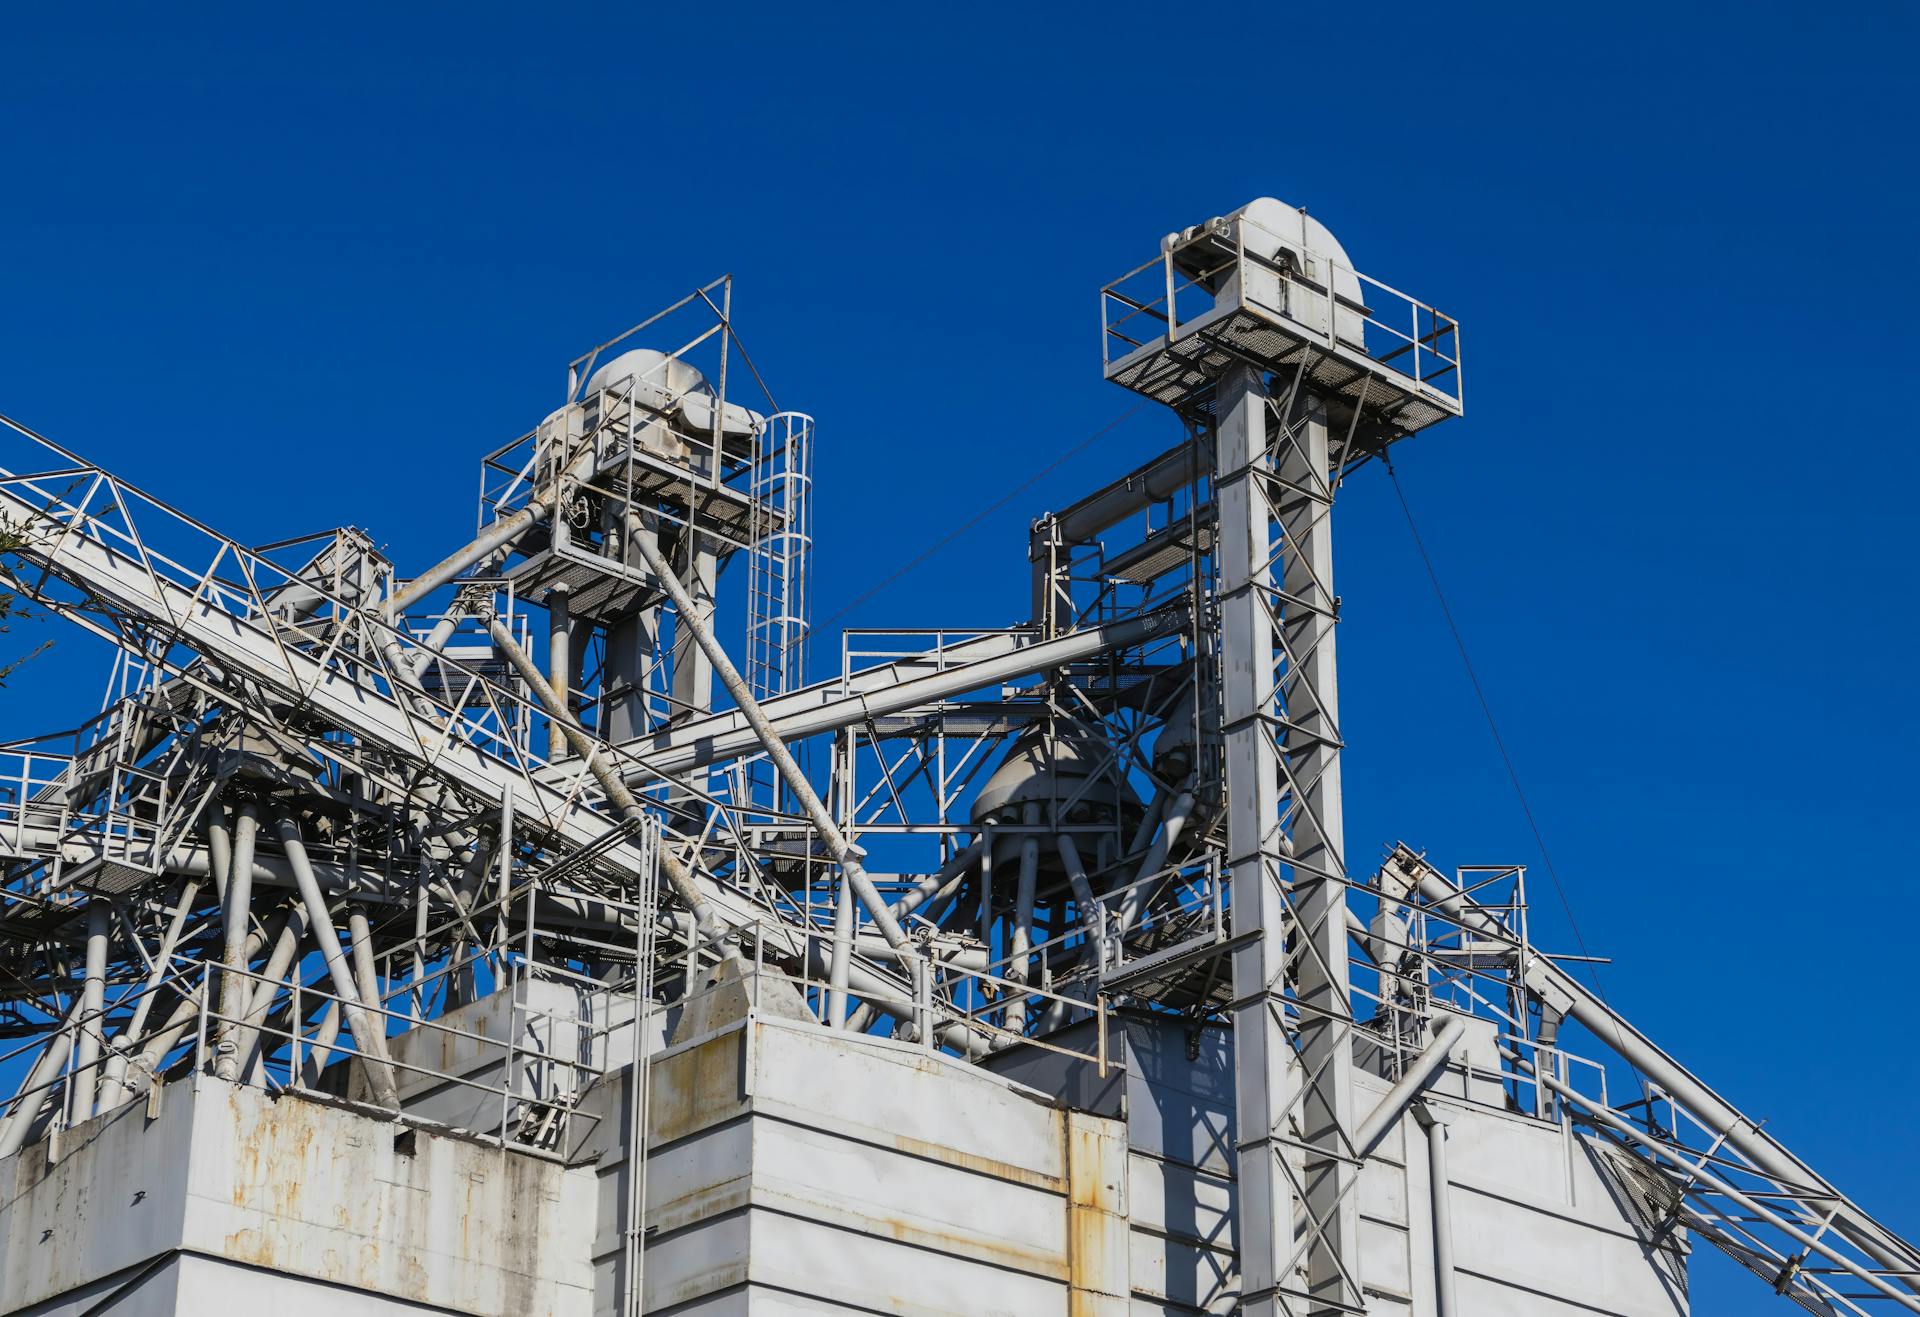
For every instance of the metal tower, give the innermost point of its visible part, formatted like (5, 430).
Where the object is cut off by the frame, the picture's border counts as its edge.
(1264, 351)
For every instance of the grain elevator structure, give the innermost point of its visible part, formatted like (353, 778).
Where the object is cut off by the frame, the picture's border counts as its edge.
(563, 928)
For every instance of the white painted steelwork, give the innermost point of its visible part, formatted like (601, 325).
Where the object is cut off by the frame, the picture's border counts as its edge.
(505, 886)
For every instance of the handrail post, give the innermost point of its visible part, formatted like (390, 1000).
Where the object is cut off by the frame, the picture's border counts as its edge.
(295, 1023)
(1100, 1006)
(200, 1024)
(1173, 314)
(1415, 307)
(923, 1000)
(508, 1078)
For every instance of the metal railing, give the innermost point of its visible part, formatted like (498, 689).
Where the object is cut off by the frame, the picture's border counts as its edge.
(950, 1007)
(32, 808)
(1316, 298)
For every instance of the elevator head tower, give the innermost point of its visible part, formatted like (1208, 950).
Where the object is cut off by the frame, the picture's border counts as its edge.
(1292, 367)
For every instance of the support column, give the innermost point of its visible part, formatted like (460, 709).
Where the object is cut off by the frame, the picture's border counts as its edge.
(114, 1085)
(1263, 1076)
(1307, 729)
(235, 987)
(369, 1032)
(843, 923)
(559, 662)
(1293, 1077)
(32, 1096)
(93, 1000)
(633, 641)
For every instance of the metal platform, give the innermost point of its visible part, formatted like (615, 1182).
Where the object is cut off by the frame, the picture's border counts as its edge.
(597, 586)
(1216, 297)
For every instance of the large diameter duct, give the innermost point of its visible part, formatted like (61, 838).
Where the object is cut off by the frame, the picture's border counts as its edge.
(1173, 822)
(366, 973)
(1559, 989)
(1135, 492)
(144, 1068)
(559, 662)
(842, 958)
(884, 998)
(724, 737)
(1093, 911)
(1020, 937)
(450, 567)
(430, 645)
(249, 1049)
(693, 667)
(938, 886)
(219, 855)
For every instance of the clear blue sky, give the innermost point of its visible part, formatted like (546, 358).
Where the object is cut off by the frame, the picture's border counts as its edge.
(298, 274)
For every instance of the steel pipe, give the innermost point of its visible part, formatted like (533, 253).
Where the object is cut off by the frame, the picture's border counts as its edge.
(113, 1086)
(411, 665)
(369, 1035)
(322, 1049)
(879, 997)
(843, 921)
(145, 1066)
(248, 1051)
(691, 618)
(219, 850)
(936, 886)
(679, 877)
(360, 938)
(28, 1104)
(494, 538)
(1093, 912)
(1381, 1120)
(1440, 1197)
(559, 663)
(1020, 939)
(1171, 826)
(238, 916)
(93, 1000)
